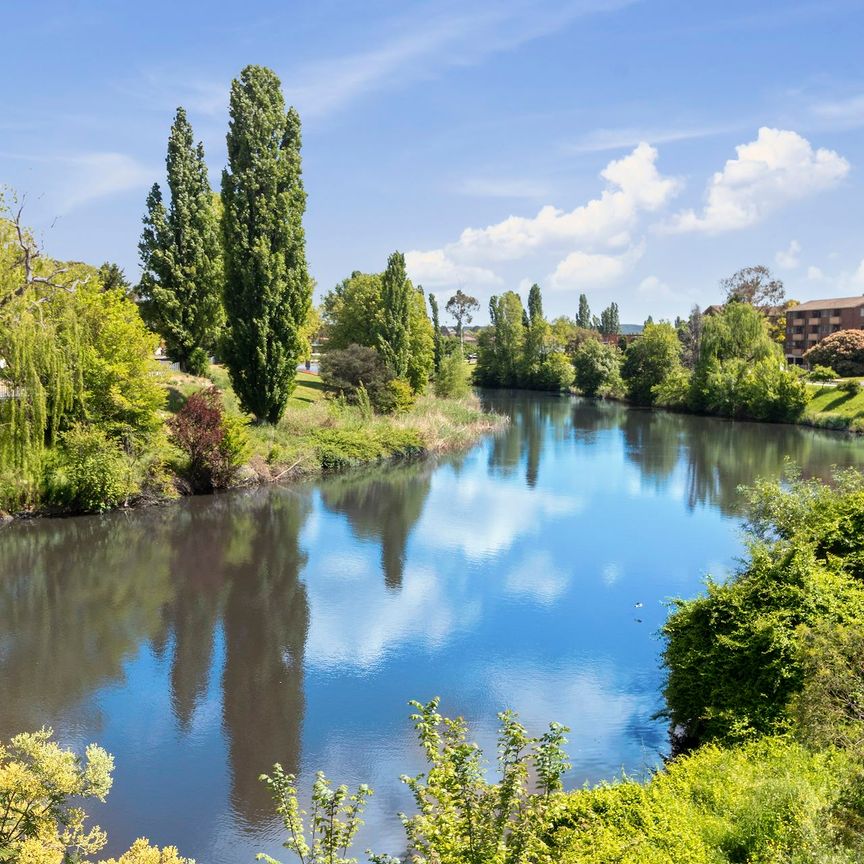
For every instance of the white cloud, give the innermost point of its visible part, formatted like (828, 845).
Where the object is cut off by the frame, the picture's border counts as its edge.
(633, 186)
(789, 258)
(778, 167)
(842, 113)
(435, 268)
(815, 274)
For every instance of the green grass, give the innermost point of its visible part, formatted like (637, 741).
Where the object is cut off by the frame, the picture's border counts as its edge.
(833, 409)
(320, 433)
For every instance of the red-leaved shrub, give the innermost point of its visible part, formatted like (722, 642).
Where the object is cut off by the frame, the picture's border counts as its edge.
(842, 351)
(213, 443)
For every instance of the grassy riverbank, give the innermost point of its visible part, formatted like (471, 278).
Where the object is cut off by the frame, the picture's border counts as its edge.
(833, 408)
(318, 433)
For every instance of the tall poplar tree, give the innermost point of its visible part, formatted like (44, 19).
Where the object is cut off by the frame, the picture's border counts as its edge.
(393, 339)
(181, 255)
(583, 318)
(267, 287)
(436, 326)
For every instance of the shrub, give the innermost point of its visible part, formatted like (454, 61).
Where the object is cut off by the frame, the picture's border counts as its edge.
(453, 380)
(674, 390)
(596, 366)
(214, 444)
(842, 351)
(852, 387)
(760, 390)
(650, 360)
(87, 472)
(822, 373)
(397, 398)
(345, 369)
(555, 373)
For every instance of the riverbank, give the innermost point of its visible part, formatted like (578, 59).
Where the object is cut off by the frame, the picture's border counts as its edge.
(318, 434)
(832, 407)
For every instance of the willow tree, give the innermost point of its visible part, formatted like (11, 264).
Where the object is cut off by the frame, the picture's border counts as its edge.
(181, 255)
(267, 287)
(38, 348)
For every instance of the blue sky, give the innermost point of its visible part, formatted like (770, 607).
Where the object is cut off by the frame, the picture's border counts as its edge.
(636, 150)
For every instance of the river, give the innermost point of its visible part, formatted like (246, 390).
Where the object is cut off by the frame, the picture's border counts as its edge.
(202, 641)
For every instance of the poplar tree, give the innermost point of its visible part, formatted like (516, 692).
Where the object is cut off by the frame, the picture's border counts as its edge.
(436, 325)
(393, 339)
(267, 287)
(181, 255)
(583, 318)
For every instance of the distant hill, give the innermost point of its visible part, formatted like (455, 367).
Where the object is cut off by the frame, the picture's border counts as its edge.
(631, 329)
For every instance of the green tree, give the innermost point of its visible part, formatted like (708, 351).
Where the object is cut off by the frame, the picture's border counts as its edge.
(610, 324)
(597, 366)
(536, 341)
(181, 255)
(436, 328)
(461, 307)
(583, 318)
(499, 354)
(649, 360)
(113, 277)
(267, 287)
(393, 337)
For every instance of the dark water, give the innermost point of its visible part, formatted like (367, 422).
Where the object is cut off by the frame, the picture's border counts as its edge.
(203, 641)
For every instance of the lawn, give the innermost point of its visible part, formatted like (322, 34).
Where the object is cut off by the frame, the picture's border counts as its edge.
(835, 409)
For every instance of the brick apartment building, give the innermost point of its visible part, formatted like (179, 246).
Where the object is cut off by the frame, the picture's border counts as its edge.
(809, 323)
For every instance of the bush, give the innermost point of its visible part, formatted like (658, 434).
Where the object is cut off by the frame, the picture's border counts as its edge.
(674, 390)
(453, 380)
(596, 366)
(760, 390)
(555, 373)
(397, 398)
(842, 351)
(822, 373)
(852, 387)
(345, 369)
(87, 472)
(214, 444)
(734, 657)
(649, 360)
(338, 449)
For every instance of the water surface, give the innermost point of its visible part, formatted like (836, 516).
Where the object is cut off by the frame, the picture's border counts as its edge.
(203, 641)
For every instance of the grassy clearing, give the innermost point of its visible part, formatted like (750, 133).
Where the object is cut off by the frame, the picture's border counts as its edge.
(320, 433)
(831, 408)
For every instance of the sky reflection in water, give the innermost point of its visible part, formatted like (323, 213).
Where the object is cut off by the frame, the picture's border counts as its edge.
(204, 641)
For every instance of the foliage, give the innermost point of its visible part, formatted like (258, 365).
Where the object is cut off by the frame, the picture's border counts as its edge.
(214, 443)
(734, 656)
(597, 367)
(851, 387)
(399, 397)
(842, 351)
(760, 390)
(87, 472)
(349, 368)
(829, 710)
(354, 315)
(649, 360)
(335, 818)
(822, 373)
(674, 390)
(181, 255)
(436, 331)
(113, 278)
(500, 347)
(462, 817)
(461, 307)
(267, 287)
(555, 373)
(769, 801)
(342, 448)
(610, 323)
(393, 338)
(40, 787)
(754, 286)
(72, 351)
(690, 334)
(453, 380)
(583, 318)
(141, 852)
